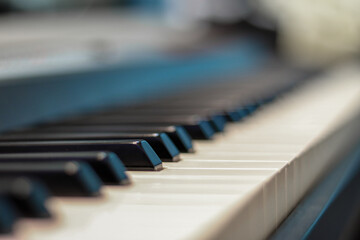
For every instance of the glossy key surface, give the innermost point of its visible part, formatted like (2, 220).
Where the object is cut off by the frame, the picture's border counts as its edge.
(198, 128)
(160, 142)
(135, 154)
(177, 134)
(106, 164)
(62, 178)
(27, 195)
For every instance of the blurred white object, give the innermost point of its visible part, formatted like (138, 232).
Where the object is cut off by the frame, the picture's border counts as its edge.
(311, 32)
(316, 31)
(192, 11)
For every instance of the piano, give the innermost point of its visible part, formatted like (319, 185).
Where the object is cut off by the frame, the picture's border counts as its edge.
(212, 135)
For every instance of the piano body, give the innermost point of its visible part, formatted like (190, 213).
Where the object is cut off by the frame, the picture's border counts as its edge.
(171, 134)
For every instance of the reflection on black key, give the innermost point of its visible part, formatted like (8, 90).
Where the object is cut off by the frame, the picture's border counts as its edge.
(198, 128)
(62, 178)
(27, 195)
(8, 214)
(106, 164)
(135, 154)
(160, 142)
(177, 134)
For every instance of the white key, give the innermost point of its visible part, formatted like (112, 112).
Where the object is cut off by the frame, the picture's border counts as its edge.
(241, 184)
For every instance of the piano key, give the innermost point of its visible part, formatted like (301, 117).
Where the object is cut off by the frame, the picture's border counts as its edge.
(252, 107)
(177, 134)
(160, 142)
(217, 120)
(248, 93)
(197, 128)
(233, 115)
(214, 200)
(165, 110)
(225, 109)
(135, 154)
(222, 105)
(8, 215)
(27, 195)
(62, 178)
(242, 112)
(106, 164)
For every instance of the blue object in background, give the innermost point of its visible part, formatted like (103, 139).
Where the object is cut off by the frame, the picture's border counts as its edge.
(49, 97)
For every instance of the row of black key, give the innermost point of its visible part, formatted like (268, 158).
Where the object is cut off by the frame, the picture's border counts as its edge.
(76, 156)
(21, 197)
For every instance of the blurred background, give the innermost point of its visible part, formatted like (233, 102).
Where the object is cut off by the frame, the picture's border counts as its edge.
(308, 32)
(119, 47)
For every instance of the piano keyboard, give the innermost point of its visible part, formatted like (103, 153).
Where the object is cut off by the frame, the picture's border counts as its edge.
(239, 185)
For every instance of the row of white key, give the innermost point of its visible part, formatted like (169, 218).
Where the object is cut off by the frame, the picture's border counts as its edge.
(254, 173)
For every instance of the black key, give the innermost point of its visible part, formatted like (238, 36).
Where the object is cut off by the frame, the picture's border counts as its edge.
(227, 108)
(177, 134)
(217, 120)
(242, 112)
(8, 214)
(227, 112)
(201, 130)
(160, 142)
(62, 178)
(197, 128)
(135, 154)
(106, 164)
(215, 103)
(233, 116)
(27, 195)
